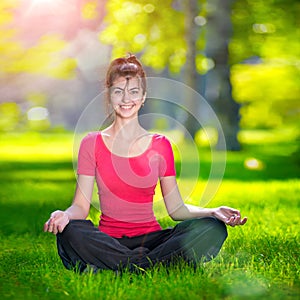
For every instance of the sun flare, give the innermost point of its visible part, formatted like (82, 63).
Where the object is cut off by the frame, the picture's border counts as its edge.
(36, 2)
(37, 7)
(44, 3)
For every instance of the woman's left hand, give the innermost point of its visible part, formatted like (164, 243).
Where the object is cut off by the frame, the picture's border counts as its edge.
(229, 216)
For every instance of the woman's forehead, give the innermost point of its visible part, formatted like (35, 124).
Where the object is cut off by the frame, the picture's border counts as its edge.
(128, 80)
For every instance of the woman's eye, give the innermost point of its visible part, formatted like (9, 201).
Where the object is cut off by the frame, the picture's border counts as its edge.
(134, 92)
(117, 92)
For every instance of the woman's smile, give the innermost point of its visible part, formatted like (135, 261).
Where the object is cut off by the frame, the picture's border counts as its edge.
(126, 106)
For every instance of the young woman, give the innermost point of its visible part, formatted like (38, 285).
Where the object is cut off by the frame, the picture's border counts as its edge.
(127, 162)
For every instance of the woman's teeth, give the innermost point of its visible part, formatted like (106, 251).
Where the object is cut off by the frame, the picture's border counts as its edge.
(126, 106)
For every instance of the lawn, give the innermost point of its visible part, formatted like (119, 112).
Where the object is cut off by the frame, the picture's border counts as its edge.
(258, 261)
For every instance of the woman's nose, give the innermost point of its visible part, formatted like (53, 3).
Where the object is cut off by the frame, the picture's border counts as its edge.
(126, 96)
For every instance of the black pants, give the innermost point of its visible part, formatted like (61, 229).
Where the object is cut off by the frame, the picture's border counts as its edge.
(82, 244)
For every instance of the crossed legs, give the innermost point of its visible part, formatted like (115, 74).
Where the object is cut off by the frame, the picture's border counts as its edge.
(82, 244)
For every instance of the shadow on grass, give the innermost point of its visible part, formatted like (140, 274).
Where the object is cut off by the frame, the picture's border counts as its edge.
(26, 218)
(30, 191)
(6, 166)
(61, 171)
(274, 168)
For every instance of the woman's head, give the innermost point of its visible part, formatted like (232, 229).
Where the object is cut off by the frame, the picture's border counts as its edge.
(127, 67)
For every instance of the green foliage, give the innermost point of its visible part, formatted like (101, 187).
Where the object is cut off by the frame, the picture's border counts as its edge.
(10, 116)
(270, 91)
(266, 29)
(264, 52)
(40, 58)
(264, 49)
(258, 261)
(12, 119)
(147, 27)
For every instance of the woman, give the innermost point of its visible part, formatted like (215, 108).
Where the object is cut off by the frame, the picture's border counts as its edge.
(127, 162)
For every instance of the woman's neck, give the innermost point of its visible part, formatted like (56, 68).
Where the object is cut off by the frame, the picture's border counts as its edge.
(126, 139)
(126, 129)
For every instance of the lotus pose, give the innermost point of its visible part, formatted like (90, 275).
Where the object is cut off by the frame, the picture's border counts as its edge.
(127, 162)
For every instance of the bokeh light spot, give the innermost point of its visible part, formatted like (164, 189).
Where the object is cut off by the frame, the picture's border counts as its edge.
(200, 21)
(37, 113)
(149, 8)
(252, 163)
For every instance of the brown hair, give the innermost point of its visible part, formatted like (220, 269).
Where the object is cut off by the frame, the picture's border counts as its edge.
(128, 66)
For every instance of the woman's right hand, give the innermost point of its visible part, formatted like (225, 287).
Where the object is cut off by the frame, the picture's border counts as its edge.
(57, 222)
(78, 210)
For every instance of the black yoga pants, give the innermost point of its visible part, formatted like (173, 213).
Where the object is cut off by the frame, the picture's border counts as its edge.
(81, 244)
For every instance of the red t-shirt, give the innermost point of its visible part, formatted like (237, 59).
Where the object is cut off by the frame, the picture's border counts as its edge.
(126, 185)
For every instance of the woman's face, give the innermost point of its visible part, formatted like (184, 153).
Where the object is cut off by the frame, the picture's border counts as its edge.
(126, 96)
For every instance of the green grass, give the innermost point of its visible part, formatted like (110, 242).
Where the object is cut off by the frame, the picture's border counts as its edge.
(258, 261)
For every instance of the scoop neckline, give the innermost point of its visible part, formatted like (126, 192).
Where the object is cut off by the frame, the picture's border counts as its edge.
(127, 157)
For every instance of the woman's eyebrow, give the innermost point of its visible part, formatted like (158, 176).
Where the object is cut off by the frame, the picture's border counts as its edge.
(117, 88)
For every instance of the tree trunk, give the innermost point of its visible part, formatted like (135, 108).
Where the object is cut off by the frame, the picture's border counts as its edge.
(190, 72)
(219, 89)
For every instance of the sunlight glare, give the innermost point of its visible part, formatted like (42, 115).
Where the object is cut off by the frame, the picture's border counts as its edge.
(45, 7)
(37, 113)
(253, 164)
(34, 2)
(44, 4)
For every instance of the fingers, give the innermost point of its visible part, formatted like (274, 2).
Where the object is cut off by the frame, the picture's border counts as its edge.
(233, 220)
(51, 226)
(46, 227)
(229, 212)
(232, 216)
(243, 221)
(60, 228)
(236, 220)
(57, 222)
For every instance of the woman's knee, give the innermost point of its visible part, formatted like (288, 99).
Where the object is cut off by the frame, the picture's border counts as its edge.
(210, 225)
(216, 226)
(73, 229)
(215, 223)
(209, 235)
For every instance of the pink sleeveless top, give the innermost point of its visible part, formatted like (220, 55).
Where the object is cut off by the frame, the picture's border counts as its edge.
(126, 185)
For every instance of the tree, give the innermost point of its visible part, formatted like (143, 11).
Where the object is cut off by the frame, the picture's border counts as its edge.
(191, 77)
(40, 53)
(219, 90)
(147, 28)
(150, 29)
(264, 55)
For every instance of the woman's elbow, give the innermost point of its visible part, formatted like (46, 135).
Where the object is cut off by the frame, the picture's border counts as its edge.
(177, 213)
(175, 216)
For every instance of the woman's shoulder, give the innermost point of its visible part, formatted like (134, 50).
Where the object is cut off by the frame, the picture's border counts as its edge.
(159, 137)
(162, 145)
(160, 140)
(90, 137)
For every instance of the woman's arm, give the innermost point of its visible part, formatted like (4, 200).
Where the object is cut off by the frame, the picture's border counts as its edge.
(178, 210)
(79, 208)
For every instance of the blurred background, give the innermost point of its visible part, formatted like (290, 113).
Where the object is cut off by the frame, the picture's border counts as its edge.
(242, 56)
